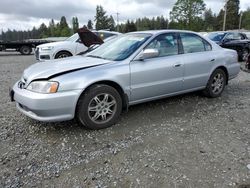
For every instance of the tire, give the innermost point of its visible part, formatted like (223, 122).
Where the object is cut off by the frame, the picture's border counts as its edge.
(62, 54)
(99, 107)
(244, 55)
(216, 84)
(25, 50)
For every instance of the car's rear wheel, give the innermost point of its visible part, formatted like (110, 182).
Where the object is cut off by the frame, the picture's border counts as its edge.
(99, 107)
(216, 84)
(63, 54)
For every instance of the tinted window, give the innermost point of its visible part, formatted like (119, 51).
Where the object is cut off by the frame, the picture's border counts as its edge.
(166, 44)
(234, 36)
(104, 35)
(242, 36)
(216, 36)
(193, 43)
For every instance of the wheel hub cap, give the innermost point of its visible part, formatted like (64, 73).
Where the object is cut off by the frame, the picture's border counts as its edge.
(218, 83)
(102, 108)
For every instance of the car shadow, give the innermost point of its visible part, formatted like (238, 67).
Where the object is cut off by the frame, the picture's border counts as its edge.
(151, 108)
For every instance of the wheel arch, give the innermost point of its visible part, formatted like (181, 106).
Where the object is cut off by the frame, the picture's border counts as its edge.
(116, 86)
(60, 51)
(224, 69)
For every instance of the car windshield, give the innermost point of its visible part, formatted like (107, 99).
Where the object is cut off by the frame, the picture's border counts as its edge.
(120, 47)
(216, 36)
(73, 38)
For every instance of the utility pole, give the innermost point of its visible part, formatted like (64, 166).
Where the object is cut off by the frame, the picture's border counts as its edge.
(241, 14)
(117, 21)
(225, 16)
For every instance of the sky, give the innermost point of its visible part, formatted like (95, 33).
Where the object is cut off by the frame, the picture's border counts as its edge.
(24, 14)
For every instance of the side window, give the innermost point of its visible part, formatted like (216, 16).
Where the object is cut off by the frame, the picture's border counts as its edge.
(193, 43)
(166, 44)
(104, 35)
(107, 35)
(242, 36)
(230, 36)
(237, 36)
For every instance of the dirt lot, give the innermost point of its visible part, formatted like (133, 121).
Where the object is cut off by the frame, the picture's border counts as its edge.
(179, 142)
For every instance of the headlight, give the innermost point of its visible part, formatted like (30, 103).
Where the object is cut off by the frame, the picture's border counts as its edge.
(47, 48)
(43, 87)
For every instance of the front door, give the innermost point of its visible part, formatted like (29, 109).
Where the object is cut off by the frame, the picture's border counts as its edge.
(160, 75)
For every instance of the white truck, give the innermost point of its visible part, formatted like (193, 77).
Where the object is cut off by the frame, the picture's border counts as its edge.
(71, 46)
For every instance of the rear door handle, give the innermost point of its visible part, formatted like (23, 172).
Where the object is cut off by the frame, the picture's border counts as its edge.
(212, 60)
(177, 65)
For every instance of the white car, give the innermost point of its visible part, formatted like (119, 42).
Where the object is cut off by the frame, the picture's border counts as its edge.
(69, 47)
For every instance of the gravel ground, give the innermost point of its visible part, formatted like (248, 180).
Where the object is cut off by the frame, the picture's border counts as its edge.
(179, 142)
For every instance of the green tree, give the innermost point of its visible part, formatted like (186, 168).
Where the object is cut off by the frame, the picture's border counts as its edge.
(90, 24)
(52, 28)
(63, 22)
(246, 19)
(186, 12)
(218, 25)
(233, 7)
(209, 20)
(130, 26)
(63, 29)
(101, 18)
(43, 31)
(75, 24)
(111, 23)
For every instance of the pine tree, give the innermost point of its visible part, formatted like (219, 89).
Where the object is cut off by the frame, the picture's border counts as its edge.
(233, 7)
(75, 24)
(219, 21)
(101, 18)
(90, 25)
(186, 12)
(111, 23)
(246, 19)
(209, 20)
(51, 28)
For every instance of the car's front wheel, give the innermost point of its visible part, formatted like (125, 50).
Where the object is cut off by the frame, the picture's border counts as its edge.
(99, 107)
(216, 84)
(62, 54)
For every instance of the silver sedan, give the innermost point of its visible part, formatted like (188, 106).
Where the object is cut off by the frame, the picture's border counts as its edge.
(130, 69)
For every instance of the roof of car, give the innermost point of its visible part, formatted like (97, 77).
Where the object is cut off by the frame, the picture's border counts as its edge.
(106, 31)
(225, 32)
(153, 32)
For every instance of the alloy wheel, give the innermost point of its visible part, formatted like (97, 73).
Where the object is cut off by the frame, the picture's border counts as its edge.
(102, 108)
(217, 83)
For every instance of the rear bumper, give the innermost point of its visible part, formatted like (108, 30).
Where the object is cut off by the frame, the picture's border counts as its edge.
(46, 107)
(233, 70)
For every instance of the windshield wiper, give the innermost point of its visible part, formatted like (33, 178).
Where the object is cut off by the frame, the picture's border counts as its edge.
(95, 56)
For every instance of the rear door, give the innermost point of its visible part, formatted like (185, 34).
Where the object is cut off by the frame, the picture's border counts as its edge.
(198, 59)
(160, 75)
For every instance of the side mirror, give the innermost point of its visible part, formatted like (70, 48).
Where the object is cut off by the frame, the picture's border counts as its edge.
(148, 53)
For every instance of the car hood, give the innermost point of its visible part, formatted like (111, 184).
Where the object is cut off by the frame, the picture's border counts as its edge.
(88, 38)
(48, 70)
(55, 44)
